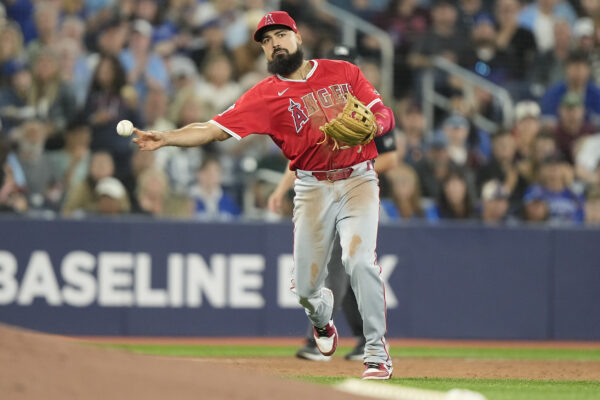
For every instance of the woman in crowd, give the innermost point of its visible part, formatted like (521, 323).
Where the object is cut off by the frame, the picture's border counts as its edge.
(106, 104)
(454, 201)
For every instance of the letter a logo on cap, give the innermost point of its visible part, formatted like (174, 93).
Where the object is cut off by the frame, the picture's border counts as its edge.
(269, 19)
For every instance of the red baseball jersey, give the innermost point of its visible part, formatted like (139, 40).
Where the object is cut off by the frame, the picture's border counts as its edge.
(291, 112)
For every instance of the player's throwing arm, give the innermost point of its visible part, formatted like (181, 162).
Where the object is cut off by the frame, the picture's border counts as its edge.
(192, 135)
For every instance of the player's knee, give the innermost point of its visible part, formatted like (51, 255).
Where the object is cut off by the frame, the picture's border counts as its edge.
(304, 302)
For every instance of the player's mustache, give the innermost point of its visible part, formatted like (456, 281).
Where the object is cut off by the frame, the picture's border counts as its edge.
(280, 49)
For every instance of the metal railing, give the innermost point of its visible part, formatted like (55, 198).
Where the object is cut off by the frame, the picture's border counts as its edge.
(431, 98)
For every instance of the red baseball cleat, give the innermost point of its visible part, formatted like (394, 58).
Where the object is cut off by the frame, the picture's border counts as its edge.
(375, 370)
(326, 338)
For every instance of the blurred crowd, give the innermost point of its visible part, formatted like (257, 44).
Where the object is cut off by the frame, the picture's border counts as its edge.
(71, 69)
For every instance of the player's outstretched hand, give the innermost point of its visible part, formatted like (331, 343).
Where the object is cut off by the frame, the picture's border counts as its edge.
(148, 140)
(275, 201)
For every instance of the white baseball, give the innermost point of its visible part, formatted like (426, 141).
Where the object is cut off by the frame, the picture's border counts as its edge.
(125, 128)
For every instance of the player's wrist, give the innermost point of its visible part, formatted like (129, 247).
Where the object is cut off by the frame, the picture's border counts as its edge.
(166, 139)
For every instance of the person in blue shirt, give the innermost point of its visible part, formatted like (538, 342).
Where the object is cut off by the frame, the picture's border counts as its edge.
(577, 80)
(212, 202)
(405, 202)
(564, 205)
(145, 68)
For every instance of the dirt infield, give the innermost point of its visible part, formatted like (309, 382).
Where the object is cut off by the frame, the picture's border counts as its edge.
(39, 366)
(426, 368)
(36, 366)
(403, 367)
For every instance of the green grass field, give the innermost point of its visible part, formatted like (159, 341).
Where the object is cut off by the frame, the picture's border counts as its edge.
(493, 389)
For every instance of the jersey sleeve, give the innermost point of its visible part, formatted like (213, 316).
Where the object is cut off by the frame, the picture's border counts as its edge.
(363, 90)
(247, 115)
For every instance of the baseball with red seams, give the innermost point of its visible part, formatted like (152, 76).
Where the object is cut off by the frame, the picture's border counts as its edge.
(125, 128)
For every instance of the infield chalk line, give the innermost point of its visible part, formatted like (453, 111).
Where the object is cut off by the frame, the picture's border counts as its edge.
(387, 391)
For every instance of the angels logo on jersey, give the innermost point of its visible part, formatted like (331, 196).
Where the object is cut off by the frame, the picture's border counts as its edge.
(298, 115)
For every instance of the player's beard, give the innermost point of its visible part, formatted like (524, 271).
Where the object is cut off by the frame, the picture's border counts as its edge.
(286, 63)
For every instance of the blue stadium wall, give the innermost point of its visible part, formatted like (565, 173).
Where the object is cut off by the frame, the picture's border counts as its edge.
(189, 279)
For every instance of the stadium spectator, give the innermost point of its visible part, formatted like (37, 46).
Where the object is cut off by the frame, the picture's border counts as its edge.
(469, 11)
(591, 8)
(412, 131)
(46, 17)
(371, 72)
(454, 200)
(145, 69)
(494, 202)
(564, 205)
(541, 15)
(11, 51)
(502, 168)
(436, 166)
(224, 30)
(571, 125)
(164, 32)
(517, 42)
(155, 111)
(584, 37)
(140, 162)
(105, 106)
(12, 199)
(577, 80)
(154, 197)
(71, 163)
(218, 78)
(442, 38)
(75, 69)
(53, 101)
(184, 78)
(181, 164)
(544, 146)
(526, 128)
(535, 208)
(44, 189)
(549, 66)
(110, 39)
(592, 207)
(456, 130)
(405, 21)
(81, 198)
(212, 202)
(405, 199)
(15, 107)
(587, 159)
(112, 197)
(22, 13)
(484, 57)
(211, 42)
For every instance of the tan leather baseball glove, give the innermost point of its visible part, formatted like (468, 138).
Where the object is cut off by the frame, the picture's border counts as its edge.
(354, 126)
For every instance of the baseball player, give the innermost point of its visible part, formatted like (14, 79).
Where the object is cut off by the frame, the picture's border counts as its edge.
(314, 110)
(337, 279)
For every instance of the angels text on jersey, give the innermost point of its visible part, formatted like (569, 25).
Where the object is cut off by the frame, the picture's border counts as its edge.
(314, 101)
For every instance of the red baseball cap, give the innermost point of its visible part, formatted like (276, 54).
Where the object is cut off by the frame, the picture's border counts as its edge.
(274, 18)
